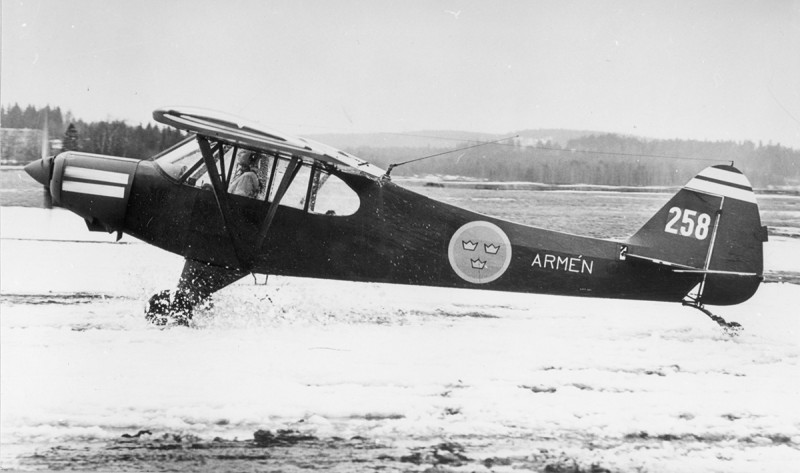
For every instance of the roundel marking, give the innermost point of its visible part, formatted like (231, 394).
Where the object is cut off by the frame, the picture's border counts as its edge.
(479, 252)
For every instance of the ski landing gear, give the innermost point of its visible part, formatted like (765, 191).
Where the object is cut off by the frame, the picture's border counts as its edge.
(197, 283)
(694, 300)
(731, 328)
(170, 307)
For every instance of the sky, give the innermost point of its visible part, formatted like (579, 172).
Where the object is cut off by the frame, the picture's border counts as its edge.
(716, 70)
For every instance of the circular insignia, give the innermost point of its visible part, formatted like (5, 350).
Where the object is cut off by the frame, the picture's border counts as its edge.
(479, 252)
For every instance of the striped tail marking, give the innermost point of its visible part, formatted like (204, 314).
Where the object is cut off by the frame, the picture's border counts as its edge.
(723, 181)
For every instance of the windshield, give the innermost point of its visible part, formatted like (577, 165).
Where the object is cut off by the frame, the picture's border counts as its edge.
(181, 158)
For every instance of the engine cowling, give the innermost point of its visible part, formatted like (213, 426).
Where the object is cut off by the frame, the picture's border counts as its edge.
(96, 187)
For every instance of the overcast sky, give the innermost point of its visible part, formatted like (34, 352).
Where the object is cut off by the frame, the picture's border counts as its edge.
(686, 69)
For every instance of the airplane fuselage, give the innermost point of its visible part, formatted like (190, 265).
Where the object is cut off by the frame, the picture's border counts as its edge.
(396, 236)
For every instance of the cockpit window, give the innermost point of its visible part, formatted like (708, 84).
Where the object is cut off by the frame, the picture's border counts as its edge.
(256, 175)
(318, 191)
(334, 197)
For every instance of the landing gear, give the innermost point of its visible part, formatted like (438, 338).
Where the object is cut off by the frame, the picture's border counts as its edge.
(169, 307)
(198, 282)
(731, 328)
(694, 299)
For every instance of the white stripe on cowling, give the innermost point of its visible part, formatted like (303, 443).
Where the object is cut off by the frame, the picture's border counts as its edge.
(93, 189)
(77, 172)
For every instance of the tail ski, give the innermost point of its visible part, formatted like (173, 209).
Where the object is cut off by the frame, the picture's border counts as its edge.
(712, 228)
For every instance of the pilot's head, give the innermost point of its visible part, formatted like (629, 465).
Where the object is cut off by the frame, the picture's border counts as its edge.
(247, 160)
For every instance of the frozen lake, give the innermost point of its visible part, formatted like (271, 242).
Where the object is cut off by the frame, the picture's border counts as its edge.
(372, 376)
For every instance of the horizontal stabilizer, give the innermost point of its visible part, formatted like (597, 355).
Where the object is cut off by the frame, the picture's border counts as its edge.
(713, 271)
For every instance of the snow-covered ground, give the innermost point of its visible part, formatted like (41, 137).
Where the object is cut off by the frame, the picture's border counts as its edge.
(513, 380)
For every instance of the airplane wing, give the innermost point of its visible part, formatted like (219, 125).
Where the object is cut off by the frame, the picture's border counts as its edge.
(240, 132)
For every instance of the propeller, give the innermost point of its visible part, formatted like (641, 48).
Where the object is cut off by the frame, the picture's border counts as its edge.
(44, 172)
(41, 171)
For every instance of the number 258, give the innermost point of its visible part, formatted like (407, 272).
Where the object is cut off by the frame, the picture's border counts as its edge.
(691, 224)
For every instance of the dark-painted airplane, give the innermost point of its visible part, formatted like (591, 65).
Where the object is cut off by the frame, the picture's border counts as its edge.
(236, 198)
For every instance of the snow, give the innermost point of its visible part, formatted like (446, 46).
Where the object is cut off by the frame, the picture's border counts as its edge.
(627, 385)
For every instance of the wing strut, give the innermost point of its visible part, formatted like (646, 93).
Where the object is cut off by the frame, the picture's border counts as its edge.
(221, 194)
(288, 177)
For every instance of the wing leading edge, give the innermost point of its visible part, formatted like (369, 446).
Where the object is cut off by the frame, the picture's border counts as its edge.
(238, 131)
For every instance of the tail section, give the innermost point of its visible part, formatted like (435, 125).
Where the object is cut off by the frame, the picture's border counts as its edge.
(711, 228)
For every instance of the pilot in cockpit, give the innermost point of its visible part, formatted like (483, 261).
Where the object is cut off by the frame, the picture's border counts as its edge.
(246, 181)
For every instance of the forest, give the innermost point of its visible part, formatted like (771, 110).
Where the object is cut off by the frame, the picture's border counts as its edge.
(115, 137)
(574, 158)
(604, 159)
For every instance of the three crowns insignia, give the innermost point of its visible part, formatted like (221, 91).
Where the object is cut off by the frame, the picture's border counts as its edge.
(489, 249)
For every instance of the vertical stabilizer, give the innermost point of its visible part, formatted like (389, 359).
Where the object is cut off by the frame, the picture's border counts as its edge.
(710, 227)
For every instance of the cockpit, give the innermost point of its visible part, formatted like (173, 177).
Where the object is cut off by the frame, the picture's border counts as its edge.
(255, 174)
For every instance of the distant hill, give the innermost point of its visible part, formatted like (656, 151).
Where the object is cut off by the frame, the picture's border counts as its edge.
(555, 156)
(414, 139)
(444, 139)
(554, 136)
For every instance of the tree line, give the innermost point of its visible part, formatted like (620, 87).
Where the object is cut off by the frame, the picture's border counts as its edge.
(599, 159)
(604, 159)
(115, 138)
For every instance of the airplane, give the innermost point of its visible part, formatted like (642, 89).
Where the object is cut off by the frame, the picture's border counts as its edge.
(314, 211)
